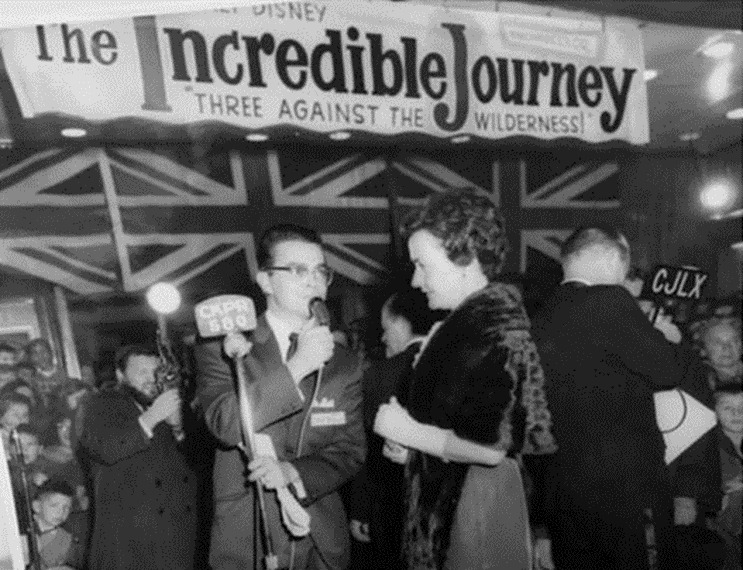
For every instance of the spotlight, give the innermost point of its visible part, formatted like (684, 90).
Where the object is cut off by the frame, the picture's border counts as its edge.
(650, 74)
(735, 113)
(256, 137)
(164, 298)
(340, 136)
(460, 139)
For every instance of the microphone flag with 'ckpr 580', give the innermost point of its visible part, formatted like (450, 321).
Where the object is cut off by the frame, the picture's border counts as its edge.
(225, 314)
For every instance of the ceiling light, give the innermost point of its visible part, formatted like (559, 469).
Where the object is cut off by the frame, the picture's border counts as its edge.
(460, 139)
(718, 195)
(340, 136)
(650, 74)
(718, 82)
(718, 50)
(256, 137)
(735, 113)
(73, 133)
(686, 137)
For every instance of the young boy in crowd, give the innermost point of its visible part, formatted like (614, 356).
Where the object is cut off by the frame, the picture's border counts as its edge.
(729, 409)
(58, 548)
(14, 411)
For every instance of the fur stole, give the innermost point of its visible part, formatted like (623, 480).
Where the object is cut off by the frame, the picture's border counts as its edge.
(478, 374)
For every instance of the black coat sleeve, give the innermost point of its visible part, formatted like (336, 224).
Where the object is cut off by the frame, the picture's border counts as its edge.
(622, 330)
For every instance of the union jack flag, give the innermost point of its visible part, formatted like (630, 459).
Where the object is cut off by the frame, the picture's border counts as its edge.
(108, 220)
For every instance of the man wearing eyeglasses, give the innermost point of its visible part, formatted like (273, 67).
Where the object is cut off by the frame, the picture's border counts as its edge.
(305, 392)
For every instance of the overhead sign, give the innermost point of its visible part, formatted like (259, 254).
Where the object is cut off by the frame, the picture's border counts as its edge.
(335, 66)
(675, 282)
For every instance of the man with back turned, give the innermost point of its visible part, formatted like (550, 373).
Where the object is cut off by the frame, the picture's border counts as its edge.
(608, 498)
(306, 399)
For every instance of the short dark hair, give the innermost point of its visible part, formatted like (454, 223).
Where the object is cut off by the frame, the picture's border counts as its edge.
(29, 429)
(590, 236)
(279, 234)
(55, 486)
(728, 389)
(124, 353)
(468, 224)
(7, 399)
(41, 341)
(5, 347)
(411, 305)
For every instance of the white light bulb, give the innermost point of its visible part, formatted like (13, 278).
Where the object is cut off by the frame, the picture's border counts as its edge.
(164, 298)
(717, 195)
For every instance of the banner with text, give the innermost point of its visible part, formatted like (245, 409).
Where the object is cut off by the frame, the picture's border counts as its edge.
(343, 67)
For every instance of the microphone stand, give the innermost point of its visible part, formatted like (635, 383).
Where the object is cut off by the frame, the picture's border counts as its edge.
(246, 419)
(34, 556)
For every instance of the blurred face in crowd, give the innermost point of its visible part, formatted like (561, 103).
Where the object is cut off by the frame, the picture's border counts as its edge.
(288, 294)
(30, 447)
(396, 333)
(729, 408)
(87, 374)
(64, 430)
(16, 414)
(52, 509)
(140, 374)
(443, 282)
(7, 358)
(40, 355)
(7, 367)
(722, 344)
(25, 372)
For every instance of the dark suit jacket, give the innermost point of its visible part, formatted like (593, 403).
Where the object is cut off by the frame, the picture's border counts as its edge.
(602, 361)
(144, 491)
(330, 454)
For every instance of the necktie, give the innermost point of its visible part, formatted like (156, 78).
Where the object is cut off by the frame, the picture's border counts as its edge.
(293, 339)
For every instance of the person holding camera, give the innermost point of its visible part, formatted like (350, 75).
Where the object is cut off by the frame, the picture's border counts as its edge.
(144, 491)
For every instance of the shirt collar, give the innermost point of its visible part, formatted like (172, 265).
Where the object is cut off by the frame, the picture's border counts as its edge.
(281, 332)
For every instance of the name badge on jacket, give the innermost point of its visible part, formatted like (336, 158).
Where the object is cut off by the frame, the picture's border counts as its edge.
(324, 419)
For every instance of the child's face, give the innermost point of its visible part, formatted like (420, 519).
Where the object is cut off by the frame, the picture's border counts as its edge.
(7, 358)
(729, 408)
(52, 509)
(15, 415)
(30, 447)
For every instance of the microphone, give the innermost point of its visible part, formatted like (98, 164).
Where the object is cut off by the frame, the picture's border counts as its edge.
(230, 316)
(319, 310)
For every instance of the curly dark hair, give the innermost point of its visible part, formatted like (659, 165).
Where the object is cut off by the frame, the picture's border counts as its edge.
(468, 224)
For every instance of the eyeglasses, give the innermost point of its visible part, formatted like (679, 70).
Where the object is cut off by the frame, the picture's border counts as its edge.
(323, 273)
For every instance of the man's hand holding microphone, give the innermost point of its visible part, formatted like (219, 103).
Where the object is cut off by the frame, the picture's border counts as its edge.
(314, 348)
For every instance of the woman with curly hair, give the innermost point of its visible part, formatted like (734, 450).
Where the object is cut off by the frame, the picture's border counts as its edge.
(476, 396)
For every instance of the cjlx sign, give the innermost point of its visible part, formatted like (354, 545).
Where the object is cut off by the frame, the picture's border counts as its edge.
(343, 66)
(676, 282)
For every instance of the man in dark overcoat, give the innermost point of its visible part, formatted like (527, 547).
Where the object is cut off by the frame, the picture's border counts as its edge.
(609, 496)
(144, 492)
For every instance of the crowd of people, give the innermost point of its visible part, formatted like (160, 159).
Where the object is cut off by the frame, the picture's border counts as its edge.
(486, 438)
